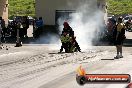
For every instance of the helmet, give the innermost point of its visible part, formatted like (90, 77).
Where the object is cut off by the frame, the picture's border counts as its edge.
(66, 24)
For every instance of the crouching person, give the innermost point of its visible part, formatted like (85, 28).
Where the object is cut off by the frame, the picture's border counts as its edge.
(65, 40)
(74, 47)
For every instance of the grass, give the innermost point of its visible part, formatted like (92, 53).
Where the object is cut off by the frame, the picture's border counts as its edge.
(118, 7)
(21, 8)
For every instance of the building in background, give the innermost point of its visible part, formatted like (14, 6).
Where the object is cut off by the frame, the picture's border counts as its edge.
(4, 10)
(50, 10)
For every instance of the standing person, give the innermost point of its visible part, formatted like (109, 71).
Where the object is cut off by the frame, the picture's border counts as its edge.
(0, 30)
(128, 25)
(19, 24)
(111, 26)
(14, 28)
(119, 36)
(4, 30)
(25, 25)
(34, 26)
(39, 24)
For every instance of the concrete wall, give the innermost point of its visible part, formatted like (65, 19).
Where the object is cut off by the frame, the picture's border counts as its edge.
(47, 8)
(4, 10)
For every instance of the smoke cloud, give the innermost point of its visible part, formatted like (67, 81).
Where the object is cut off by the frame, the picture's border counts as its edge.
(87, 23)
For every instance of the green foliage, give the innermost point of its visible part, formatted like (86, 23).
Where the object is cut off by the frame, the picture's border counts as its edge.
(26, 7)
(21, 8)
(118, 7)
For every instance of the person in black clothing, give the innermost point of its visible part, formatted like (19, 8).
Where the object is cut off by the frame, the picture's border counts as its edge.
(0, 31)
(3, 29)
(75, 44)
(67, 29)
(128, 25)
(40, 27)
(13, 27)
(119, 36)
(25, 25)
(34, 27)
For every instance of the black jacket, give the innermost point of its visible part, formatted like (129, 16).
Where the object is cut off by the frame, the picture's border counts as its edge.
(68, 31)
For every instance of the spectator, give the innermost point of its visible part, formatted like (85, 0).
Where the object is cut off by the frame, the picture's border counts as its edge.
(34, 22)
(13, 28)
(25, 24)
(0, 30)
(3, 29)
(128, 24)
(119, 36)
(34, 26)
(39, 24)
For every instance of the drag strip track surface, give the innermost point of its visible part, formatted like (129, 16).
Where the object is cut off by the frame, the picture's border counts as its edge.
(18, 69)
(69, 80)
(48, 69)
(97, 67)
